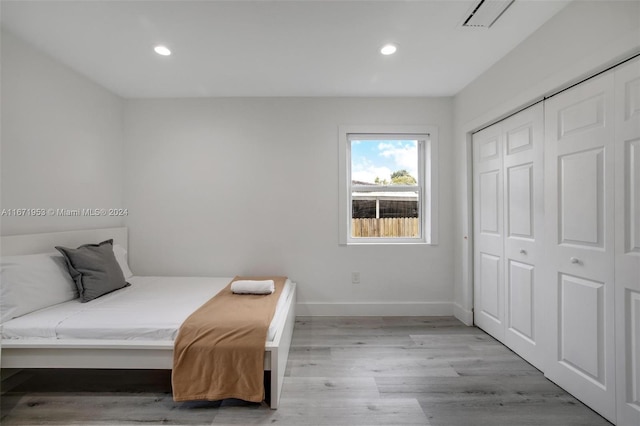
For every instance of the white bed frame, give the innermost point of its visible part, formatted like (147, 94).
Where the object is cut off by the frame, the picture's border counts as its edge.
(119, 354)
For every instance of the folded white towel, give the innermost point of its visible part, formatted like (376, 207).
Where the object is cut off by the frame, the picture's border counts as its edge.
(253, 287)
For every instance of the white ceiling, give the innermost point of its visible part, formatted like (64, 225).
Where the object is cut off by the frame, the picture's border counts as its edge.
(273, 48)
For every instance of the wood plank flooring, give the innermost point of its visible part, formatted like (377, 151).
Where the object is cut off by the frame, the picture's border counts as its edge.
(341, 371)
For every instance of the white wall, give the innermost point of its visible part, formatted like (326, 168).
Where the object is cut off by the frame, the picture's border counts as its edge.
(584, 37)
(62, 141)
(250, 186)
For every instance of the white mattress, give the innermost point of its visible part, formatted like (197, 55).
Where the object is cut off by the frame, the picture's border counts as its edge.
(152, 308)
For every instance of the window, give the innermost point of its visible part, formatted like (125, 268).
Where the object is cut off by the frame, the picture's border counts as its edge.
(387, 184)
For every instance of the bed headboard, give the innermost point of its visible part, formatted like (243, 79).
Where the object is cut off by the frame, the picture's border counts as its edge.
(44, 243)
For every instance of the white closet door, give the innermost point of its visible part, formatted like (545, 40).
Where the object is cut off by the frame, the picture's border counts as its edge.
(488, 232)
(508, 205)
(579, 281)
(523, 228)
(627, 267)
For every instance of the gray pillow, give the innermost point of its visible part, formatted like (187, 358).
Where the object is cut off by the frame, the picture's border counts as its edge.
(94, 269)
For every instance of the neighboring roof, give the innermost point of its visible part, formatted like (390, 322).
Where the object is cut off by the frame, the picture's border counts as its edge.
(391, 196)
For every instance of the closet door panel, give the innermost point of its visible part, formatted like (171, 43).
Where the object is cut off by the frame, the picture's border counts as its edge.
(581, 198)
(579, 267)
(488, 232)
(581, 327)
(490, 282)
(508, 214)
(521, 300)
(631, 233)
(627, 257)
(520, 193)
(524, 215)
(489, 191)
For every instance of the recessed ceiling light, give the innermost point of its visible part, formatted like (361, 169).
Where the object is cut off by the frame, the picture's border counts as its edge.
(162, 50)
(388, 49)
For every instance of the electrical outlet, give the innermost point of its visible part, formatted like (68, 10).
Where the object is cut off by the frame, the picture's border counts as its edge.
(355, 278)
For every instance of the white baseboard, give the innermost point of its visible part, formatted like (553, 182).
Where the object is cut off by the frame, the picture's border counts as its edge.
(464, 315)
(368, 309)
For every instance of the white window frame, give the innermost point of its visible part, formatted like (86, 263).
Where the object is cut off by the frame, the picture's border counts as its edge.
(427, 184)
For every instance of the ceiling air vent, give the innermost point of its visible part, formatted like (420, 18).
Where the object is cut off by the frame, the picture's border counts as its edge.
(486, 13)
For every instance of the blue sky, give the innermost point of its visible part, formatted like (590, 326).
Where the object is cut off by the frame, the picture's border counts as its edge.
(380, 158)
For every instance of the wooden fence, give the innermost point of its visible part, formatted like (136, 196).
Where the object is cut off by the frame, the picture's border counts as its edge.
(399, 227)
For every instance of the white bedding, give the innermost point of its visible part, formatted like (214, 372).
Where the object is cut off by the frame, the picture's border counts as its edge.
(152, 309)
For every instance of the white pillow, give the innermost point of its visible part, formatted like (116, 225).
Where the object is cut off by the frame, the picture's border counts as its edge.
(32, 282)
(121, 258)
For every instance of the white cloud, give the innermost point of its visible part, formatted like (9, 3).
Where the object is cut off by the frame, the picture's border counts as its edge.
(366, 171)
(369, 172)
(404, 156)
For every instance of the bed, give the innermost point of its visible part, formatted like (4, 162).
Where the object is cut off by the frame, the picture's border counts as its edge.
(70, 335)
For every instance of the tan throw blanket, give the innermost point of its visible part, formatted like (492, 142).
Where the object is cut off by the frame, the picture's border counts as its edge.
(219, 351)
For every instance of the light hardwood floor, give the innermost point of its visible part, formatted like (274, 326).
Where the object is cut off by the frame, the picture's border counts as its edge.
(341, 371)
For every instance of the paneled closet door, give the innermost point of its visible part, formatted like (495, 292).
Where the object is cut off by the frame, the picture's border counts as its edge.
(523, 228)
(508, 215)
(627, 266)
(579, 279)
(488, 232)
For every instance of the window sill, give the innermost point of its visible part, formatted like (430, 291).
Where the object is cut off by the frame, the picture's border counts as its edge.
(388, 243)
